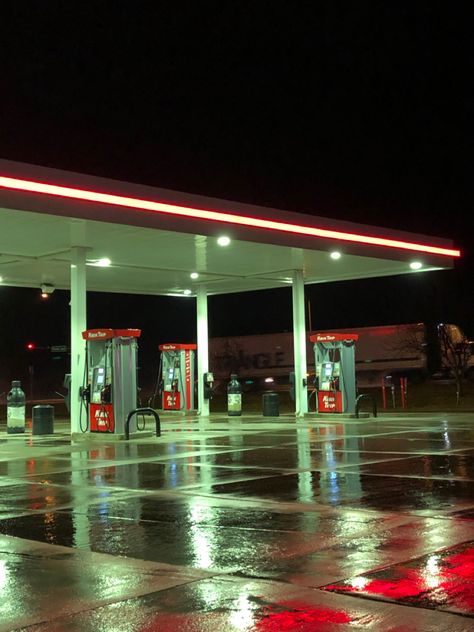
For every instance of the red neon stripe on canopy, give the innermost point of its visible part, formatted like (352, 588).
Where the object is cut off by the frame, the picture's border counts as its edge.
(217, 216)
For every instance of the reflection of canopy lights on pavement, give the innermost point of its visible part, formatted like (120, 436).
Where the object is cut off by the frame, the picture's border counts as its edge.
(359, 582)
(203, 539)
(243, 611)
(217, 216)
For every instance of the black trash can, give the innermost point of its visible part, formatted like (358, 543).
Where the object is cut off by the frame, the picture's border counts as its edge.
(271, 405)
(43, 419)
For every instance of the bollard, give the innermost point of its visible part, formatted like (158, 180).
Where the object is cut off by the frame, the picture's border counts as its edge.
(43, 419)
(271, 405)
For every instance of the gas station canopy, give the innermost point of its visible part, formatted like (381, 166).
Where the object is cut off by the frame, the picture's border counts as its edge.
(155, 238)
(67, 230)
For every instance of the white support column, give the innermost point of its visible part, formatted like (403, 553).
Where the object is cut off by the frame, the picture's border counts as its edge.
(202, 348)
(78, 325)
(299, 342)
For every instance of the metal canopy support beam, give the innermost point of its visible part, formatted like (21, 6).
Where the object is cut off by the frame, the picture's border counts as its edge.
(78, 325)
(202, 348)
(299, 342)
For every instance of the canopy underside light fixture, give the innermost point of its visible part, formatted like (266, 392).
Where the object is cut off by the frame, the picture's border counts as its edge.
(104, 262)
(218, 216)
(180, 293)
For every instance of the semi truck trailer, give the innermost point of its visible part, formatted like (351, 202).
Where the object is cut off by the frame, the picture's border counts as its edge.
(409, 350)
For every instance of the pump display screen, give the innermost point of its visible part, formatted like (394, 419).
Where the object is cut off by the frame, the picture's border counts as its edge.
(328, 369)
(98, 383)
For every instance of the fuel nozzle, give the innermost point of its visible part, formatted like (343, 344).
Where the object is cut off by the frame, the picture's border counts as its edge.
(85, 393)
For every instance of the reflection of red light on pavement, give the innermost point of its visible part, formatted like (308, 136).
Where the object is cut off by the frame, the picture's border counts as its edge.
(460, 564)
(449, 582)
(457, 576)
(399, 588)
(409, 587)
(281, 617)
(301, 617)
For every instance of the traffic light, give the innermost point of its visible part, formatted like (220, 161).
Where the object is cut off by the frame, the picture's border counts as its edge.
(30, 346)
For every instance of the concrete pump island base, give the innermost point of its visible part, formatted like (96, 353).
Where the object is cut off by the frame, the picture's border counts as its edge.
(241, 524)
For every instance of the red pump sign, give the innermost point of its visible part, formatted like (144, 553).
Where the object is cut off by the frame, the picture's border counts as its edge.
(329, 402)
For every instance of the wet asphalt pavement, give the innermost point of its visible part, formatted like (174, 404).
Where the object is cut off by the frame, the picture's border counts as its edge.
(242, 524)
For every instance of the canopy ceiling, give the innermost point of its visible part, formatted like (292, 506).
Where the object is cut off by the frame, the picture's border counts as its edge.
(156, 238)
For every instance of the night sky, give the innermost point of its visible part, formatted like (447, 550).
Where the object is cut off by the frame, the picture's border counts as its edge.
(359, 112)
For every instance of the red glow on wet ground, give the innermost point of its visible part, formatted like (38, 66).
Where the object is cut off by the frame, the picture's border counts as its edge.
(280, 617)
(448, 583)
(301, 617)
(398, 589)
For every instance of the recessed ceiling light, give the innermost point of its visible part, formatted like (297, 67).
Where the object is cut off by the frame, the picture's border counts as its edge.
(187, 292)
(335, 255)
(416, 265)
(223, 240)
(194, 275)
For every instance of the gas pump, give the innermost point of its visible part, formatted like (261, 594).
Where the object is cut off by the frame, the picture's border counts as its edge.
(177, 376)
(335, 372)
(110, 392)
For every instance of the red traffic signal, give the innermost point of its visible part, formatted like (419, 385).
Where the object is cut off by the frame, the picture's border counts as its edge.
(31, 346)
